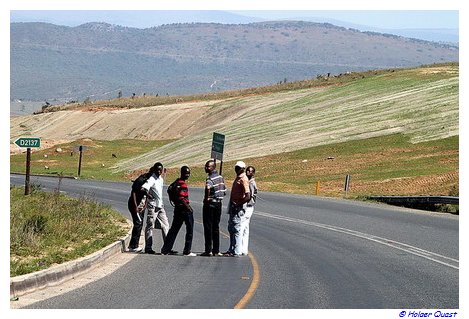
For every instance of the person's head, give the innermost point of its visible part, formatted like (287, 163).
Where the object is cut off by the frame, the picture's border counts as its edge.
(240, 166)
(250, 171)
(157, 169)
(210, 166)
(185, 172)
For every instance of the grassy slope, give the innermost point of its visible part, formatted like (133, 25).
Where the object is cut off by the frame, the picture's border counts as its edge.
(395, 132)
(96, 160)
(421, 103)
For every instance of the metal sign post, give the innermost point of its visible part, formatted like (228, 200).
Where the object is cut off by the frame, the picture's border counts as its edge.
(27, 182)
(218, 144)
(347, 184)
(28, 142)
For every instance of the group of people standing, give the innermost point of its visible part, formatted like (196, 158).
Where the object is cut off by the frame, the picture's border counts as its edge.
(147, 195)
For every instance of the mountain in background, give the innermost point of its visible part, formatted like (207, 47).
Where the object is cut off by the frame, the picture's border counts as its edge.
(150, 18)
(99, 60)
(141, 19)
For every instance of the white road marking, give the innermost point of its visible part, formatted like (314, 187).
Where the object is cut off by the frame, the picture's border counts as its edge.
(440, 259)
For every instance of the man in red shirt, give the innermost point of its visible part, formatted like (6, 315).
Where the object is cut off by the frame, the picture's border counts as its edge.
(240, 195)
(183, 213)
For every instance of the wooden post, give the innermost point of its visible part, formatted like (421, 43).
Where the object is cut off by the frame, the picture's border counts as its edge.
(79, 161)
(317, 188)
(347, 184)
(27, 183)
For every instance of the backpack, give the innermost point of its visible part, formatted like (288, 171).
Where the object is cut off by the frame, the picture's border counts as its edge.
(173, 192)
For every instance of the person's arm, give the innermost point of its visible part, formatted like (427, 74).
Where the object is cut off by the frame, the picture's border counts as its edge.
(207, 191)
(247, 192)
(182, 196)
(247, 198)
(133, 195)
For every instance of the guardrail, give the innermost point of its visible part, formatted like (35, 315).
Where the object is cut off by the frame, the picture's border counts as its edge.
(419, 200)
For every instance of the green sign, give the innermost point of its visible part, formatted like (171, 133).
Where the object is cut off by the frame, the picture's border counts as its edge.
(218, 144)
(29, 142)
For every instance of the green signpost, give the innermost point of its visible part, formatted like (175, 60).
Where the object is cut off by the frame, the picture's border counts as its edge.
(28, 142)
(218, 144)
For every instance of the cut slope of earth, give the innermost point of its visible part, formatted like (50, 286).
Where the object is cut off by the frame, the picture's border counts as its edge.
(421, 103)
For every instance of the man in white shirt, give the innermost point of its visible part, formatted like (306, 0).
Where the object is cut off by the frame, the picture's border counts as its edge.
(155, 210)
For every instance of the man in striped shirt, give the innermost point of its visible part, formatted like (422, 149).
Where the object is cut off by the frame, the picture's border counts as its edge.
(183, 213)
(215, 190)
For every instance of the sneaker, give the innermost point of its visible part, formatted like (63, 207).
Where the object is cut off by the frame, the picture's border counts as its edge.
(150, 251)
(190, 255)
(228, 254)
(205, 254)
(218, 255)
(135, 250)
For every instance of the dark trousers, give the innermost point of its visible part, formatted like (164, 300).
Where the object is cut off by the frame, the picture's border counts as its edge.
(181, 215)
(211, 214)
(137, 219)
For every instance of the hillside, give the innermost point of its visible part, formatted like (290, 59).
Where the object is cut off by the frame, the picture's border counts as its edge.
(421, 103)
(97, 60)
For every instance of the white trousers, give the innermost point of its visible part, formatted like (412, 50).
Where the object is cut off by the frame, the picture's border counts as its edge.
(156, 218)
(244, 231)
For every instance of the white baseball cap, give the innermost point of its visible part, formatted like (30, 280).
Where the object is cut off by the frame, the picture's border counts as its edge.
(240, 164)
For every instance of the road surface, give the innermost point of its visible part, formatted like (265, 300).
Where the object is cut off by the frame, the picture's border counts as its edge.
(306, 252)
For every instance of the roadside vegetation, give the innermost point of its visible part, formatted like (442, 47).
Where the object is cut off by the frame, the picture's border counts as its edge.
(51, 228)
(385, 165)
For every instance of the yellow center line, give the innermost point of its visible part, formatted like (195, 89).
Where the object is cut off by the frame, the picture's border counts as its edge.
(256, 278)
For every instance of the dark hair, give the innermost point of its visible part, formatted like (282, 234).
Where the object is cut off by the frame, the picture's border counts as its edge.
(211, 161)
(252, 168)
(184, 169)
(157, 164)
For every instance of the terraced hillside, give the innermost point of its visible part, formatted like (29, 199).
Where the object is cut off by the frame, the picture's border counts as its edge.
(421, 103)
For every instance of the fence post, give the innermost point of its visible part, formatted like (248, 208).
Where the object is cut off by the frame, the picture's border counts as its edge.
(347, 184)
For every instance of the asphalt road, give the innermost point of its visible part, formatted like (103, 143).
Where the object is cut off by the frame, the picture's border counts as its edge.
(306, 252)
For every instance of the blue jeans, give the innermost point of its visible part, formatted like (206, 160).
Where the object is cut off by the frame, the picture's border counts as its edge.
(234, 228)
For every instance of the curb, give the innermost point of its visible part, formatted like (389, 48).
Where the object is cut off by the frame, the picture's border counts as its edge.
(58, 274)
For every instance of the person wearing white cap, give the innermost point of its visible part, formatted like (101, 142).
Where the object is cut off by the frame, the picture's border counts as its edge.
(245, 221)
(240, 196)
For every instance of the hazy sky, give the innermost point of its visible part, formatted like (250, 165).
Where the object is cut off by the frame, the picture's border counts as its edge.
(383, 19)
(392, 19)
(394, 14)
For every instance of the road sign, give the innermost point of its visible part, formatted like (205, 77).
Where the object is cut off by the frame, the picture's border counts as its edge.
(80, 148)
(29, 142)
(218, 144)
